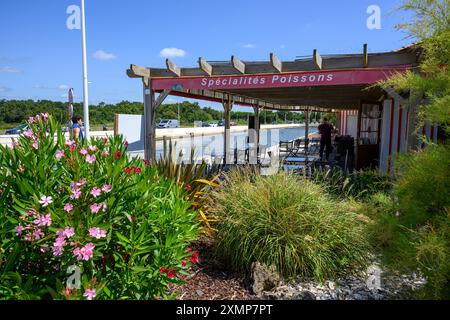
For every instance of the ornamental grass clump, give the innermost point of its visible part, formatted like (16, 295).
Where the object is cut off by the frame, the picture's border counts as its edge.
(289, 222)
(84, 221)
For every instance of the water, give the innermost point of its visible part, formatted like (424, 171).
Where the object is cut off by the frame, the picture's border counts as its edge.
(212, 145)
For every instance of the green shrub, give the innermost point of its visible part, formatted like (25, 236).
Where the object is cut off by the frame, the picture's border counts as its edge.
(423, 191)
(66, 204)
(289, 222)
(359, 184)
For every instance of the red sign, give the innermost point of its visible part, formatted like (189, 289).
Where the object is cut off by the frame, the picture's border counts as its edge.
(278, 80)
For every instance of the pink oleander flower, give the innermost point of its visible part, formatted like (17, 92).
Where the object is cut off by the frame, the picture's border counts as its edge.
(28, 238)
(69, 232)
(105, 153)
(76, 193)
(38, 234)
(85, 253)
(44, 116)
(96, 192)
(107, 188)
(90, 294)
(60, 242)
(19, 229)
(93, 148)
(46, 201)
(97, 233)
(59, 154)
(70, 143)
(43, 221)
(57, 251)
(29, 134)
(104, 207)
(31, 120)
(35, 145)
(68, 207)
(81, 182)
(83, 152)
(90, 159)
(95, 208)
(31, 212)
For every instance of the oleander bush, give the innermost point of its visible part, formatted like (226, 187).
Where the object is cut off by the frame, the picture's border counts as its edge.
(289, 222)
(69, 209)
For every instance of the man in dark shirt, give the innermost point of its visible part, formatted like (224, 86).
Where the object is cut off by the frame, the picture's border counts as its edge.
(325, 130)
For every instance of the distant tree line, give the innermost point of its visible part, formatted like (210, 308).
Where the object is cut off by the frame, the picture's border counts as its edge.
(17, 111)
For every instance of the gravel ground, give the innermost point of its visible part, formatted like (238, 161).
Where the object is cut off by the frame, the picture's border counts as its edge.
(210, 280)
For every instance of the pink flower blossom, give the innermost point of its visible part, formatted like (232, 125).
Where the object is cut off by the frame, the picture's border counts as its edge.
(44, 116)
(96, 192)
(70, 143)
(105, 153)
(81, 182)
(29, 134)
(104, 207)
(31, 212)
(83, 152)
(59, 154)
(57, 251)
(85, 253)
(68, 207)
(97, 233)
(90, 159)
(90, 294)
(60, 242)
(31, 120)
(35, 145)
(45, 201)
(76, 193)
(93, 148)
(95, 208)
(43, 221)
(38, 234)
(107, 188)
(69, 232)
(19, 229)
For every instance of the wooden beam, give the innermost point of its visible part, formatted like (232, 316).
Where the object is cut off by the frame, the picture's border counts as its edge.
(162, 96)
(173, 68)
(138, 71)
(365, 56)
(393, 94)
(205, 66)
(238, 64)
(276, 63)
(317, 59)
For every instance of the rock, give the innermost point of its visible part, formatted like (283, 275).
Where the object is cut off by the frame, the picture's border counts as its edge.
(331, 285)
(304, 295)
(263, 278)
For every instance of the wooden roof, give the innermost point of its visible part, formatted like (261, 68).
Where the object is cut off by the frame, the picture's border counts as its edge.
(361, 72)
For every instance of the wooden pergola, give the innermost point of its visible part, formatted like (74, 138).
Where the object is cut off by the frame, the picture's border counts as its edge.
(320, 83)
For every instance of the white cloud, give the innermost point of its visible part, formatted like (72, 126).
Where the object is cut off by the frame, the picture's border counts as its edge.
(172, 52)
(63, 87)
(4, 89)
(9, 70)
(102, 55)
(249, 46)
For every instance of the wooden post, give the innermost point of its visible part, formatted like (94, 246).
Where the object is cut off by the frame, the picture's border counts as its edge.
(150, 123)
(227, 154)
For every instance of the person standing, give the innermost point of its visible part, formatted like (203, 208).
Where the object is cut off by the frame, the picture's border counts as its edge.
(325, 130)
(77, 132)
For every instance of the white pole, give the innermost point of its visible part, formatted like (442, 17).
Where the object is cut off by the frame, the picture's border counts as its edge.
(85, 79)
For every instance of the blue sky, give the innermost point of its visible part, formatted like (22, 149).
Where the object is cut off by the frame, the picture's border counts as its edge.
(40, 58)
